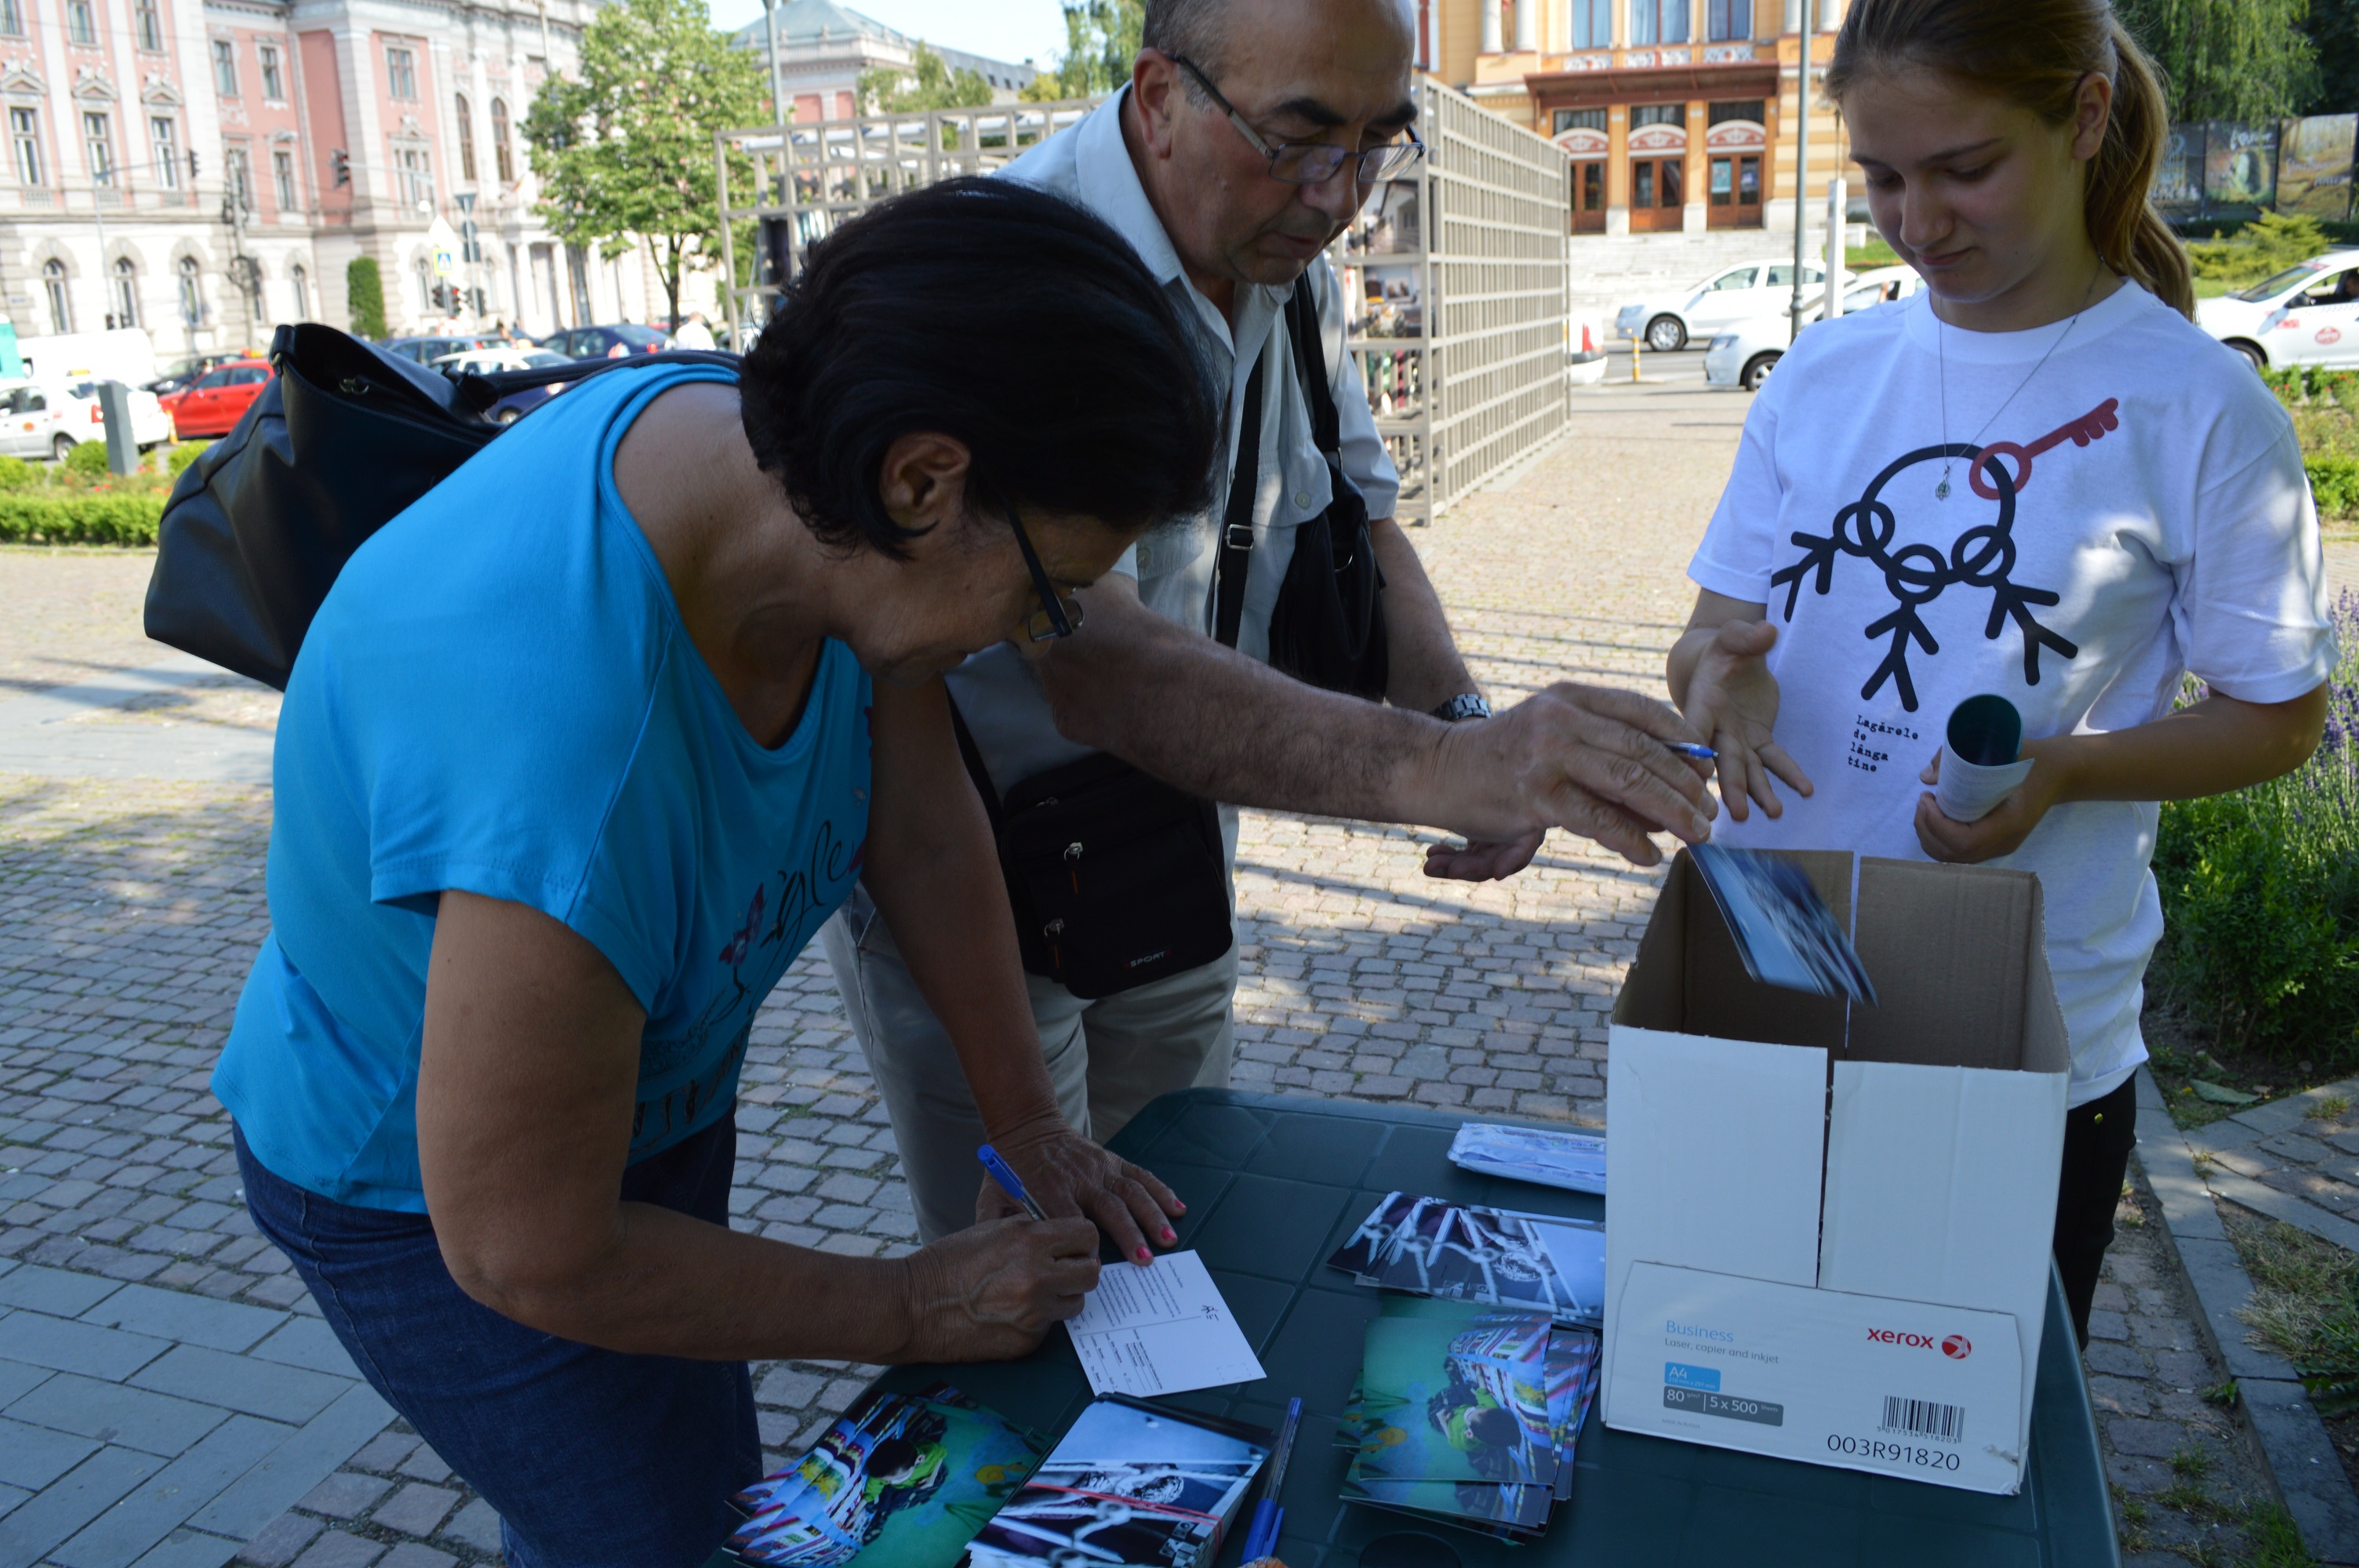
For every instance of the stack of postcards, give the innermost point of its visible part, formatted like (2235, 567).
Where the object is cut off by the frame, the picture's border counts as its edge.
(1472, 1388)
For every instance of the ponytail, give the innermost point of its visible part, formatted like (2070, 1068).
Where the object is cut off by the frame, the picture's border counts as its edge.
(2037, 53)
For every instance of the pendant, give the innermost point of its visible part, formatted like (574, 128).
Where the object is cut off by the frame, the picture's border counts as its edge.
(1942, 491)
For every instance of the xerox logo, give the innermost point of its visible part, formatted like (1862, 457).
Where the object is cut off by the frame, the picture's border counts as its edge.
(1957, 1347)
(1896, 1336)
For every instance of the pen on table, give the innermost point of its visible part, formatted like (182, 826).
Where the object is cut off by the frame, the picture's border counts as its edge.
(1687, 749)
(1009, 1182)
(1262, 1539)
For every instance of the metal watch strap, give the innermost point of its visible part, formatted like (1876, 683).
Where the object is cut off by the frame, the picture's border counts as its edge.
(1235, 561)
(1464, 706)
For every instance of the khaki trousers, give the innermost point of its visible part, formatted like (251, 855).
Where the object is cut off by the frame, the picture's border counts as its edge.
(1106, 1058)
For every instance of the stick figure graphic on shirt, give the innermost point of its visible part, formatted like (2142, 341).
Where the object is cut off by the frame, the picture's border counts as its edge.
(1982, 557)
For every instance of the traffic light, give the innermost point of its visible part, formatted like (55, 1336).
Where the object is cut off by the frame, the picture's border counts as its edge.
(337, 159)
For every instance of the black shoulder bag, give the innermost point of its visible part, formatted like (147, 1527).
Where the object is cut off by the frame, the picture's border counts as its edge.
(341, 441)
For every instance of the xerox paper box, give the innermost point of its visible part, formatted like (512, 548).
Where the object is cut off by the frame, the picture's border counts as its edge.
(1800, 1149)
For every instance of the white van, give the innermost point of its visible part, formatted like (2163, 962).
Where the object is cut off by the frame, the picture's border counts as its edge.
(126, 354)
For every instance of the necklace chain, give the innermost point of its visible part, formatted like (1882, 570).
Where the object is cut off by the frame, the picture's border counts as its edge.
(1941, 346)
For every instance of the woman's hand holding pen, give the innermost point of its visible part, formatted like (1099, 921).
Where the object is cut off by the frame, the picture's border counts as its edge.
(989, 1292)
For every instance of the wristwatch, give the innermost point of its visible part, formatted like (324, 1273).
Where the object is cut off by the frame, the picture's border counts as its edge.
(1465, 705)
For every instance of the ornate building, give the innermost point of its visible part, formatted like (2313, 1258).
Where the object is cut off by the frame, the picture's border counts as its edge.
(1679, 114)
(824, 46)
(204, 170)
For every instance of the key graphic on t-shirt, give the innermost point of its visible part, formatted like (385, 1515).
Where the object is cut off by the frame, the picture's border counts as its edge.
(2088, 428)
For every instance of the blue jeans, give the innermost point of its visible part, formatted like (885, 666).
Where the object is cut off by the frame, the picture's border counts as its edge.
(594, 1459)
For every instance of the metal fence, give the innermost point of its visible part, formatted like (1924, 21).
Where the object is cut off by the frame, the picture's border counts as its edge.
(1456, 278)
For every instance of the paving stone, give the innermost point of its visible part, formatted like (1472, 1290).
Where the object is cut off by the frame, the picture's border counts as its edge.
(160, 1503)
(280, 1541)
(476, 1525)
(53, 1291)
(301, 1463)
(112, 1413)
(308, 1342)
(39, 1525)
(412, 1554)
(194, 1320)
(416, 1509)
(241, 1383)
(337, 1550)
(345, 1495)
(33, 1456)
(68, 1346)
(188, 1548)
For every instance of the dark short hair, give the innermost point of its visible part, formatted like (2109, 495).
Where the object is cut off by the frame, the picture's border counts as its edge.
(1007, 318)
(1192, 29)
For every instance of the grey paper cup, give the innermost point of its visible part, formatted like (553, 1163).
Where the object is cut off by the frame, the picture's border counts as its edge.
(1979, 762)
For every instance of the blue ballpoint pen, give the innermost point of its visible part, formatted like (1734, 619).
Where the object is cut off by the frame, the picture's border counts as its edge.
(1687, 749)
(1009, 1182)
(1262, 1539)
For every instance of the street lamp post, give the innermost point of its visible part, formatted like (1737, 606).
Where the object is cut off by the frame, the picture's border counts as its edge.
(1801, 173)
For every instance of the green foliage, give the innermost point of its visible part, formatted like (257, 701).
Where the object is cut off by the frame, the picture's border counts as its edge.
(365, 295)
(2261, 249)
(1101, 40)
(181, 456)
(2335, 483)
(2260, 893)
(16, 473)
(84, 519)
(88, 459)
(930, 83)
(2335, 34)
(2228, 59)
(625, 150)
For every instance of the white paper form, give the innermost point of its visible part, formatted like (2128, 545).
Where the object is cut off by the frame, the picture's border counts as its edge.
(1160, 1328)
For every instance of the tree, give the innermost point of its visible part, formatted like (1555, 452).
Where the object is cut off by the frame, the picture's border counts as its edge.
(2228, 59)
(930, 83)
(625, 150)
(364, 298)
(2335, 34)
(1101, 40)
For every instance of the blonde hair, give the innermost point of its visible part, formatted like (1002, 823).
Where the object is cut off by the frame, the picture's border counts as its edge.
(2036, 53)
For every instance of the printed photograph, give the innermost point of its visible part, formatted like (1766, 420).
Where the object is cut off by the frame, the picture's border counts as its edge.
(1493, 1256)
(1128, 1485)
(1456, 1401)
(1784, 930)
(899, 1482)
(1572, 1161)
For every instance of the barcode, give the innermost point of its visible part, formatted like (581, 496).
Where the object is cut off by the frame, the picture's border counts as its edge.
(1923, 1418)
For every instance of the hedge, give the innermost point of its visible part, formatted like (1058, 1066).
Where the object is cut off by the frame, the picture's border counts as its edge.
(2335, 483)
(80, 519)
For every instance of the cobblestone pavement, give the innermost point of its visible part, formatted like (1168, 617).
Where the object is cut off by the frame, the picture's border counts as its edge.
(130, 908)
(2295, 1159)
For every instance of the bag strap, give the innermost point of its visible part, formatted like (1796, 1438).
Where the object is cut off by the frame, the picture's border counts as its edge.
(1237, 526)
(972, 755)
(479, 390)
(1309, 349)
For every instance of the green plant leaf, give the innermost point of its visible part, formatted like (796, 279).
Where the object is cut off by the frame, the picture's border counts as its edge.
(2219, 1094)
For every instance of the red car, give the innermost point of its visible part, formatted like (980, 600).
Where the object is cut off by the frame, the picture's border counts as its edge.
(215, 401)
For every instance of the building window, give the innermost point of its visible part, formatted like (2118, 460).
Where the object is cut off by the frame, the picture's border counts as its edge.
(12, 18)
(192, 304)
(96, 134)
(401, 73)
(1659, 21)
(127, 293)
(53, 284)
(1580, 120)
(25, 130)
(81, 26)
(466, 139)
(282, 180)
(164, 133)
(1592, 24)
(417, 178)
(1658, 114)
(1751, 110)
(301, 281)
(150, 23)
(502, 158)
(273, 88)
(1727, 19)
(237, 173)
(225, 68)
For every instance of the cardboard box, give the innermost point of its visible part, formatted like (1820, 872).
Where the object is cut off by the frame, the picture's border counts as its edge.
(1827, 1227)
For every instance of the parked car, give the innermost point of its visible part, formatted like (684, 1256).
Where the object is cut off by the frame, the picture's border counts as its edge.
(44, 419)
(485, 361)
(606, 342)
(119, 353)
(1733, 294)
(215, 401)
(1745, 353)
(2304, 315)
(188, 370)
(426, 350)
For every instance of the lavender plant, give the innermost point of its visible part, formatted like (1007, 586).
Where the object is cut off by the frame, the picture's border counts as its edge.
(2260, 893)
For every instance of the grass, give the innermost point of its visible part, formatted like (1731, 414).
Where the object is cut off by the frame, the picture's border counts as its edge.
(2305, 1305)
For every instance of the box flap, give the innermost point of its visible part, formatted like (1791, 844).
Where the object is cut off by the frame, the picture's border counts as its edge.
(1688, 979)
(1958, 957)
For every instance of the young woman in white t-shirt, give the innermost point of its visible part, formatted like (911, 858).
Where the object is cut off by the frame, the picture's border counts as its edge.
(2036, 479)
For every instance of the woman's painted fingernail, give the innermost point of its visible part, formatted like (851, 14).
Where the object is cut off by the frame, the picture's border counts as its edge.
(1145, 1256)
(1180, 1206)
(1170, 1234)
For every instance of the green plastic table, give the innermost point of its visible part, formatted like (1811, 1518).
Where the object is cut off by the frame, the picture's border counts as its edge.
(1273, 1185)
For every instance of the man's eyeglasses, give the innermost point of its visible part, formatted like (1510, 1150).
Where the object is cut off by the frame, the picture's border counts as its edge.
(1313, 163)
(1056, 617)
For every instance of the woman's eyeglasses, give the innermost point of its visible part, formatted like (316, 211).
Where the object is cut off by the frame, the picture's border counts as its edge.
(1056, 617)
(1314, 163)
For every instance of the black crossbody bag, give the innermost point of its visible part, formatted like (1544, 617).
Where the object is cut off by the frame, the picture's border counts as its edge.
(1117, 878)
